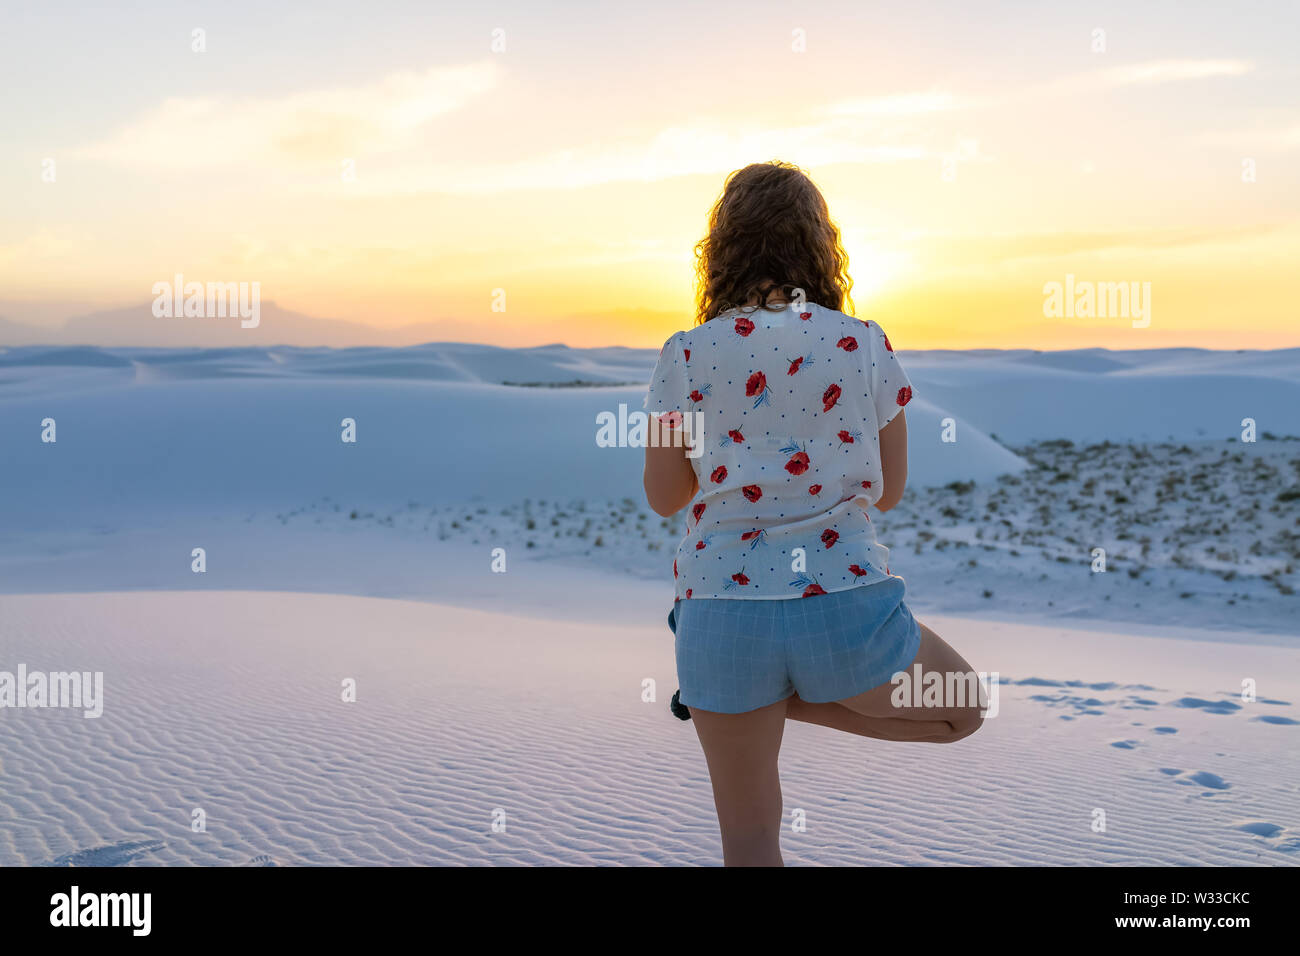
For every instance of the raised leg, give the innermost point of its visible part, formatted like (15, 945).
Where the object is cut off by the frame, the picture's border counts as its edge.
(875, 713)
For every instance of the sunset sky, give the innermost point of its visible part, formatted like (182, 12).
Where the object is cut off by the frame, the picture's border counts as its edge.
(971, 153)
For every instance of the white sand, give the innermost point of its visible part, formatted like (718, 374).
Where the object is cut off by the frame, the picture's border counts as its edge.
(522, 691)
(230, 702)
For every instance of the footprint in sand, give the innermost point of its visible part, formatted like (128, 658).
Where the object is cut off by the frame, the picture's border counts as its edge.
(1273, 719)
(1125, 744)
(1203, 778)
(110, 854)
(1082, 705)
(1272, 835)
(1209, 706)
(1259, 828)
(260, 860)
(1164, 730)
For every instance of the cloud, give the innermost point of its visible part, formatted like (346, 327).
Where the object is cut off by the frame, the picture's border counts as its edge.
(1151, 73)
(1278, 136)
(880, 129)
(1169, 71)
(704, 146)
(296, 129)
(899, 104)
(299, 130)
(1134, 74)
(959, 252)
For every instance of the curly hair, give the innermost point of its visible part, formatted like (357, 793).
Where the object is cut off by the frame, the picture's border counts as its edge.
(769, 231)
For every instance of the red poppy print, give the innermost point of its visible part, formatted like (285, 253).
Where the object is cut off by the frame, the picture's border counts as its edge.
(805, 316)
(744, 326)
(866, 484)
(740, 578)
(751, 534)
(808, 586)
(698, 510)
(801, 362)
(752, 492)
(688, 593)
(904, 395)
(671, 419)
(829, 537)
(845, 437)
(830, 397)
(736, 436)
(757, 385)
(699, 545)
(687, 353)
(674, 567)
(815, 489)
(857, 570)
(697, 395)
(848, 344)
(799, 461)
(719, 475)
(888, 347)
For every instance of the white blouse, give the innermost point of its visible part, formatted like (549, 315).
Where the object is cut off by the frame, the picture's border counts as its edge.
(791, 405)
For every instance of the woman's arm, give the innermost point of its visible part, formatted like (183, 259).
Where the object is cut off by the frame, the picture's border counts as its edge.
(893, 461)
(670, 481)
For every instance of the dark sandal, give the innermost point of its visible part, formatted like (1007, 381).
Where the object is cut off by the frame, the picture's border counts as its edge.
(680, 710)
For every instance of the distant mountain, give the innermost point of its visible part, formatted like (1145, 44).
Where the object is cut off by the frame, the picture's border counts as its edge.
(137, 326)
(17, 333)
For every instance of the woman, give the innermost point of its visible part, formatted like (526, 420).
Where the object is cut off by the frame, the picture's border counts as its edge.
(785, 415)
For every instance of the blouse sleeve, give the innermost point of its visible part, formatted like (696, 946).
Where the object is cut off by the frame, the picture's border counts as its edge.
(667, 391)
(890, 387)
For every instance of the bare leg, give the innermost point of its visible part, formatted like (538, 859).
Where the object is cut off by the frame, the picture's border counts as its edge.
(873, 713)
(741, 751)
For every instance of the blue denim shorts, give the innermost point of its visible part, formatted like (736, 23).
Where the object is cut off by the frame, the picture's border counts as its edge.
(735, 655)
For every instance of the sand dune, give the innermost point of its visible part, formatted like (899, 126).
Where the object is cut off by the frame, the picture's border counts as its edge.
(419, 409)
